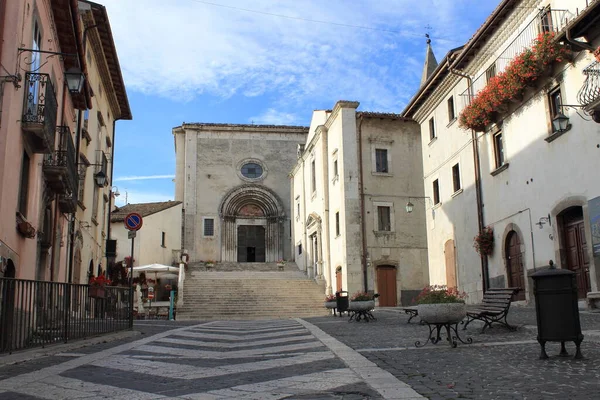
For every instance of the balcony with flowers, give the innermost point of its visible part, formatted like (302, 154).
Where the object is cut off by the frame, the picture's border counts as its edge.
(528, 57)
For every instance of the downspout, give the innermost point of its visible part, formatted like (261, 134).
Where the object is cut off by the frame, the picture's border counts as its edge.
(326, 193)
(580, 45)
(478, 193)
(56, 213)
(303, 215)
(362, 204)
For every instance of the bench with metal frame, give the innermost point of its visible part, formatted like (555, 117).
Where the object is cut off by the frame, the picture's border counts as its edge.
(493, 308)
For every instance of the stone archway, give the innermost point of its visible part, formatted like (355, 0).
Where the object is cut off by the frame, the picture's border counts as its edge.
(252, 225)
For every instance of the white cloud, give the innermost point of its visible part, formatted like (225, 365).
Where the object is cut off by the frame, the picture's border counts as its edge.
(274, 117)
(180, 49)
(143, 177)
(141, 196)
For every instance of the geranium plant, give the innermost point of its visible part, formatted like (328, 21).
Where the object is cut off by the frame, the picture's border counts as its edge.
(330, 297)
(484, 241)
(100, 281)
(436, 294)
(361, 296)
(522, 71)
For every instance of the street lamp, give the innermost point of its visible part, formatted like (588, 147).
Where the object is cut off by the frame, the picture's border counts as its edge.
(560, 123)
(100, 179)
(116, 192)
(409, 207)
(75, 79)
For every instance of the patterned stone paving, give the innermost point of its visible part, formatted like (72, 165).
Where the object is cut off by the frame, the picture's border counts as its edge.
(217, 360)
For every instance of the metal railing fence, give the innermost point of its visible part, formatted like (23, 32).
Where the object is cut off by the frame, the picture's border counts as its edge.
(39, 313)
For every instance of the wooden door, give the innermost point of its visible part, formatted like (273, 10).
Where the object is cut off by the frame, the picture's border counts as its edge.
(450, 256)
(514, 264)
(576, 250)
(251, 243)
(386, 286)
(338, 280)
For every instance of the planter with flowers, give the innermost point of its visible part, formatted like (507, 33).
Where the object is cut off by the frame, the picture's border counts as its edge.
(330, 301)
(439, 304)
(26, 229)
(98, 287)
(484, 241)
(524, 70)
(209, 264)
(361, 301)
(281, 264)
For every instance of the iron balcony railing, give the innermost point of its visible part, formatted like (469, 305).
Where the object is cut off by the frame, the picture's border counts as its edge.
(39, 111)
(60, 167)
(545, 21)
(590, 91)
(37, 313)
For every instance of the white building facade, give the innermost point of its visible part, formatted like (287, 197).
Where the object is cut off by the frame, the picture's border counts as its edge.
(159, 239)
(349, 189)
(535, 185)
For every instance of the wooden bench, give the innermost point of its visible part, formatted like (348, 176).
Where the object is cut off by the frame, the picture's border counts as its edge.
(493, 309)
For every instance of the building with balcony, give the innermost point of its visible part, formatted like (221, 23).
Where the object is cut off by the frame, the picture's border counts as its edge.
(510, 142)
(43, 112)
(351, 185)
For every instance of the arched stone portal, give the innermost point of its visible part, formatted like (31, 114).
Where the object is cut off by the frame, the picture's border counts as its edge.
(252, 219)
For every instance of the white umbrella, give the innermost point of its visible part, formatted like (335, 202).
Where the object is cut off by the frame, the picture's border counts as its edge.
(155, 268)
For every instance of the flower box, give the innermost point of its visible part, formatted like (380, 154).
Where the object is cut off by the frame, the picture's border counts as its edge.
(330, 304)
(26, 229)
(97, 292)
(442, 313)
(361, 305)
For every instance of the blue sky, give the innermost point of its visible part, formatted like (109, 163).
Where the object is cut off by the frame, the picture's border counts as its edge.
(264, 62)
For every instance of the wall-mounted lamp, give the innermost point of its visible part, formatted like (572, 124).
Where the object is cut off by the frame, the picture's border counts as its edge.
(543, 221)
(410, 206)
(75, 79)
(100, 179)
(560, 123)
(115, 192)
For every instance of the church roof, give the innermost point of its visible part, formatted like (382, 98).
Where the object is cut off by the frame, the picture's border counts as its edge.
(430, 63)
(369, 114)
(144, 209)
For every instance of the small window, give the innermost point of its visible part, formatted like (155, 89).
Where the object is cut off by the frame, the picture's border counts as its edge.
(451, 112)
(337, 223)
(313, 180)
(298, 209)
(335, 168)
(431, 128)
(490, 72)
(383, 219)
(24, 185)
(436, 192)
(163, 240)
(499, 149)
(299, 248)
(381, 160)
(252, 170)
(555, 100)
(456, 177)
(546, 20)
(209, 227)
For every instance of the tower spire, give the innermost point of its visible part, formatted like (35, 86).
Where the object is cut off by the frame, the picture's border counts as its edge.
(430, 62)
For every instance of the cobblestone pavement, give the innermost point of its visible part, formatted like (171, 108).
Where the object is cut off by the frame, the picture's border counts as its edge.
(289, 359)
(499, 364)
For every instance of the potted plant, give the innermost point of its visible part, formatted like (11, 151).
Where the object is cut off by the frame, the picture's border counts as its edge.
(361, 301)
(281, 264)
(484, 241)
(209, 264)
(439, 304)
(98, 287)
(330, 301)
(26, 229)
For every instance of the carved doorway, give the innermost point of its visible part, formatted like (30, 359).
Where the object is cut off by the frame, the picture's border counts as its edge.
(251, 243)
(514, 264)
(386, 286)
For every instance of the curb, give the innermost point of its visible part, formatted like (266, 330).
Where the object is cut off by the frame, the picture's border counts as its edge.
(50, 350)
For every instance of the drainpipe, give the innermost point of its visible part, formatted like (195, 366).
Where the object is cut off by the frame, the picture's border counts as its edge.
(575, 43)
(478, 192)
(56, 213)
(363, 257)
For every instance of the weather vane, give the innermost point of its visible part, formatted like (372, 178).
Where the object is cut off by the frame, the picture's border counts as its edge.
(427, 33)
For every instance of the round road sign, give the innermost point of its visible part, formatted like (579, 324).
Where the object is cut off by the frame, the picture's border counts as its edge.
(133, 221)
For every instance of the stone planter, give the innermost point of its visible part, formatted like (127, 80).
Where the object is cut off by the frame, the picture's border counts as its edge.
(330, 304)
(361, 305)
(442, 313)
(281, 266)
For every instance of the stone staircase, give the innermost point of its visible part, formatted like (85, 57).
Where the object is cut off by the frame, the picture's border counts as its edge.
(249, 291)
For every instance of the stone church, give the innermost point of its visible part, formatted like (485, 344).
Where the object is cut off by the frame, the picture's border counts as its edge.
(234, 185)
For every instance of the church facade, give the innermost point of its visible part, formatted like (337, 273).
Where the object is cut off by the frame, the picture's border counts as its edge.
(233, 182)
